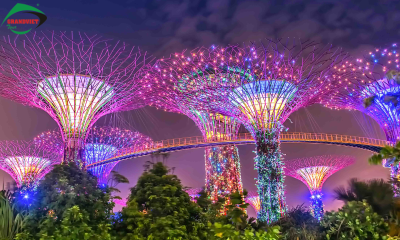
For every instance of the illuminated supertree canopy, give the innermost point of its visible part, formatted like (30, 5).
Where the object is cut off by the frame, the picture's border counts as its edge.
(222, 163)
(370, 78)
(104, 142)
(260, 85)
(193, 193)
(75, 78)
(254, 200)
(26, 161)
(313, 172)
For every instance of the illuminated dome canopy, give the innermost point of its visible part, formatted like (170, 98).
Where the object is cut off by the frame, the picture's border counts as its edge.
(263, 101)
(26, 168)
(26, 161)
(314, 176)
(75, 100)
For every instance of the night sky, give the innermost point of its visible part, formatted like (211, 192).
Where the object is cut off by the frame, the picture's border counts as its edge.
(163, 27)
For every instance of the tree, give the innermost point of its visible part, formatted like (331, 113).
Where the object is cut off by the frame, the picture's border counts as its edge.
(356, 220)
(387, 152)
(299, 224)
(235, 225)
(377, 193)
(73, 226)
(63, 188)
(159, 208)
(11, 221)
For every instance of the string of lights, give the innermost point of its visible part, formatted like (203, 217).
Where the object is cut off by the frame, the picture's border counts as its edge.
(313, 172)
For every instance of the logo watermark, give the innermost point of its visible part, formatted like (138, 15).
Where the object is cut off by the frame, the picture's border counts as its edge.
(12, 23)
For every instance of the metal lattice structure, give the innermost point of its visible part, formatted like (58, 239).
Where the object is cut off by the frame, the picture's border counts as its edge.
(104, 142)
(254, 200)
(313, 172)
(260, 85)
(75, 78)
(371, 78)
(27, 162)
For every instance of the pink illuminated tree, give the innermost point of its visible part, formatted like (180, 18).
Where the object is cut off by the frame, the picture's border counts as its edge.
(26, 161)
(258, 84)
(105, 142)
(313, 172)
(370, 84)
(75, 78)
(193, 193)
(254, 200)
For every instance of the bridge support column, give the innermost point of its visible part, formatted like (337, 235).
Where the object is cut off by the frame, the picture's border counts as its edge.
(270, 181)
(222, 171)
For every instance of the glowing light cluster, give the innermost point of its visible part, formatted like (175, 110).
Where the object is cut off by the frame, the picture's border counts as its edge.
(313, 172)
(103, 143)
(76, 79)
(27, 162)
(51, 141)
(254, 200)
(193, 193)
(371, 76)
(260, 85)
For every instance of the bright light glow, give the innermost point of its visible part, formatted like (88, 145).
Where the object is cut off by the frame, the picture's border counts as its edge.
(263, 101)
(314, 176)
(75, 100)
(26, 168)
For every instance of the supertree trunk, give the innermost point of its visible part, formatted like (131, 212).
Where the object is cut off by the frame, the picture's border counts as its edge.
(222, 171)
(73, 152)
(317, 207)
(270, 181)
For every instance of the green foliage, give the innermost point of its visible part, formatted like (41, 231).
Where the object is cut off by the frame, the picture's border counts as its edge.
(388, 152)
(356, 220)
(235, 224)
(159, 208)
(228, 232)
(11, 221)
(376, 192)
(299, 224)
(73, 226)
(65, 187)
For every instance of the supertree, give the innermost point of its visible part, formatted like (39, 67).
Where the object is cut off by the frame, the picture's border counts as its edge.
(75, 78)
(254, 200)
(222, 163)
(26, 161)
(104, 142)
(313, 172)
(193, 193)
(370, 85)
(260, 85)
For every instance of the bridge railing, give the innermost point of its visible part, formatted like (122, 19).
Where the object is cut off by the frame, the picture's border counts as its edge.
(242, 137)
